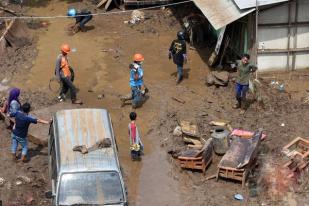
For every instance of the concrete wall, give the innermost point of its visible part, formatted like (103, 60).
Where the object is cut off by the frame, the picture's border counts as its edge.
(277, 37)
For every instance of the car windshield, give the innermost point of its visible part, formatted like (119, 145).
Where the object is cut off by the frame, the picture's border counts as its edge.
(95, 188)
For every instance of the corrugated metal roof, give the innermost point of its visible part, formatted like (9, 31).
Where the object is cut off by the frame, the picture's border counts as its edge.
(220, 12)
(245, 4)
(84, 127)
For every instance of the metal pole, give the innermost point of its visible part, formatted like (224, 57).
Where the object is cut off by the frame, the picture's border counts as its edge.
(295, 34)
(289, 38)
(256, 35)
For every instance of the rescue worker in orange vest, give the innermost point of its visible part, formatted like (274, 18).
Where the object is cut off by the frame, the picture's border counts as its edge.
(64, 74)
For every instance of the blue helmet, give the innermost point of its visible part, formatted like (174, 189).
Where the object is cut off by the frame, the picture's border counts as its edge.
(72, 12)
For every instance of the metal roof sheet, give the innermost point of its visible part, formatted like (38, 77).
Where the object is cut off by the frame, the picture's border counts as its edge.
(84, 127)
(220, 12)
(245, 4)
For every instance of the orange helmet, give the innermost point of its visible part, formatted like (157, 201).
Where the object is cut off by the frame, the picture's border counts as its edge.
(138, 57)
(65, 48)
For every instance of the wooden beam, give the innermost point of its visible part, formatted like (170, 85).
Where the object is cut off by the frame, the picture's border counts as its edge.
(270, 51)
(101, 3)
(8, 11)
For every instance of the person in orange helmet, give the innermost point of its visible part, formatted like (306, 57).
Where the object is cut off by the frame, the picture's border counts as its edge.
(64, 74)
(138, 88)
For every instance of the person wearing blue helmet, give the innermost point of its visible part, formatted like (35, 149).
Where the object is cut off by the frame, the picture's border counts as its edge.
(81, 18)
(178, 52)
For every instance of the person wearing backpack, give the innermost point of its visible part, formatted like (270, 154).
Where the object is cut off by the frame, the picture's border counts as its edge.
(178, 52)
(138, 88)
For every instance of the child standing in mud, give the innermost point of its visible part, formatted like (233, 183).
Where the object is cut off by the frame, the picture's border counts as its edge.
(136, 145)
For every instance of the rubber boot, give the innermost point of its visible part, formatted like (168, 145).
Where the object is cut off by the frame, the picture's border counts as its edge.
(23, 158)
(123, 99)
(14, 157)
(77, 101)
(238, 104)
(243, 106)
(179, 79)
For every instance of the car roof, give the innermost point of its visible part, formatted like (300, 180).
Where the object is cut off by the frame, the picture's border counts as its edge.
(84, 127)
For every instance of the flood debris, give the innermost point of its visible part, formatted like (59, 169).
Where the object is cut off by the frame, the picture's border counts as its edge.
(2, 181)
(177, 131)
(22, 180)
(217, 78)
(100, 96)
(298, 152)
(137, 16)
(178, 100)
(238, 197)
(197, 159)
(106, 142)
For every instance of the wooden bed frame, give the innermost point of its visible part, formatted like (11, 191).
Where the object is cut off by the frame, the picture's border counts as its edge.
(240, 172)
(236, 174)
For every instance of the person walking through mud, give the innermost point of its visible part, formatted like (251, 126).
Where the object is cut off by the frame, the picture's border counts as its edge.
(20, 130)
(12, 105)
(65, 75)
(178, 51)
(244, 68)
(138, 88)
(136, 145)
(81, 19)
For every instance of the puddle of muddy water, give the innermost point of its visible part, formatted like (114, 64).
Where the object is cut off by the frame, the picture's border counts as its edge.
(102, 73)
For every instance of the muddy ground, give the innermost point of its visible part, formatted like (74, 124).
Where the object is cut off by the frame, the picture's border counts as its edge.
(101, 64)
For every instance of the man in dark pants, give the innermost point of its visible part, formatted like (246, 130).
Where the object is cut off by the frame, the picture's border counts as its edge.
(178, 51)
(64, 75)
(20, 130)
(244, 68)
(81, 18)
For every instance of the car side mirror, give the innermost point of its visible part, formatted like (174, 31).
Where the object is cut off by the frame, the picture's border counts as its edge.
(49, 195)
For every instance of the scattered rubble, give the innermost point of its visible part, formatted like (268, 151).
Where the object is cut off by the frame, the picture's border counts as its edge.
(217, 78)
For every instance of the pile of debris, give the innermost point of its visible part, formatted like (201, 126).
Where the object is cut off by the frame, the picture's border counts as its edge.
(238, 149)
(217, 78)
(16, 35)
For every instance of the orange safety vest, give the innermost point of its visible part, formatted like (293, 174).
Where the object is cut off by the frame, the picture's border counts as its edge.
(65, 67)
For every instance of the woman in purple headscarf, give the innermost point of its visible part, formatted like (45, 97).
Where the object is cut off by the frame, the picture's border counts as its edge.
(12, 105)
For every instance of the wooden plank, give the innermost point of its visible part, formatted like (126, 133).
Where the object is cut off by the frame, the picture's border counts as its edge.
(108, 3)
(101, 3)
(8, 11)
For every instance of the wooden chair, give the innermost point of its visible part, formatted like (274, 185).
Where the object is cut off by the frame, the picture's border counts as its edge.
(197, 159)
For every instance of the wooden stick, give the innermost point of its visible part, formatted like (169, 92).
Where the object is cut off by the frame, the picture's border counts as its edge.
(101, 3)
(210, 177)
(8, 10)
(178, 100)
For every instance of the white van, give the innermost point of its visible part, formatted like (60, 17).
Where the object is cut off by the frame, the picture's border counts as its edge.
(93, 178)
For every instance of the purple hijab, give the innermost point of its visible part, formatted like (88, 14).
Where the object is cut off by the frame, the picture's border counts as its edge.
(14, 94)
